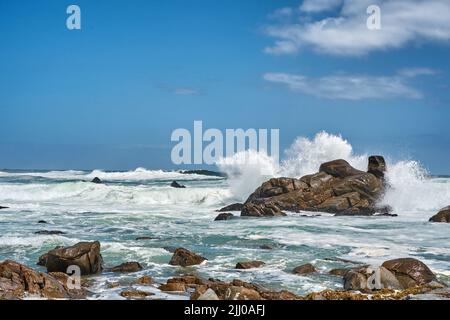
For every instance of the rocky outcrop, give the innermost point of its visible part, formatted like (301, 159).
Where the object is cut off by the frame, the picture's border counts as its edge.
(304, 269)
(232, 207)
(249, 264)
(85, 255)
(224, 216)
(337, 188)
(96, 180)
(17, 280)
(442, 216)
(175, 184)
(183, 257)
(127, 267)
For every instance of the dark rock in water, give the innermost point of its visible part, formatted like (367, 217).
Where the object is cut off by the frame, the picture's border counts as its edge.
(135, 294)
(410, 272)
(232, 207)
(96, 180)
(145, 281)
(249, 264)
(170, 249)
(127, 267)
(3, 207)
(145, 238)
(183, 257)
(42, 221)
(17, 280)
(85, 255)
(304, 269)
(442, 216)
(266, 247)
(338, 188)
(49, 232)
(205, 173)
(377, 166)
(261, 210)
(175, 184)
(386, 214)
(224, 216)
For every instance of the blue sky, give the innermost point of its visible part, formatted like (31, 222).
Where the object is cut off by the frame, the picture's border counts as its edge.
(109, 95)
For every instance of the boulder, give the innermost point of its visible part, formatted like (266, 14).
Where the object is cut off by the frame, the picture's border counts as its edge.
(337, 188)
(410, 272)
(304, 269)
(145, 281)
(367, 279)
(183, 257)
(266, 247)
(442, 216)
(49, 232)
(17, 280)
(232, 207)
(249, 264)
(127, 267)
(96, 180)
(85, 255)
(175, 184)
(224, 216)
(173, 287)
(377, 166)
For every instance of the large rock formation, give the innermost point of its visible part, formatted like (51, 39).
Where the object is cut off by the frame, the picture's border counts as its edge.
(185, 258)
(337, 188)
(17, 280)
(85, 255)
(442, 216)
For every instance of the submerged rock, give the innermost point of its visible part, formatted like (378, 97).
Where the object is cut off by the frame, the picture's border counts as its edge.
(3, 207)
(175, 184)
(96, 180)
(127, 267)
(232, 207)
(183, 257)
(304, 269)
(224, 216)
(85, 255)
(42, 221)
(49, 232)
(337, 188)
(249, 264)
(442, 216)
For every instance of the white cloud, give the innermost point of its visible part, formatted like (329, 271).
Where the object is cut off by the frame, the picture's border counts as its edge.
(319, 5)
(352, 87)
(281, 13)
(414, 72)
(345, 32)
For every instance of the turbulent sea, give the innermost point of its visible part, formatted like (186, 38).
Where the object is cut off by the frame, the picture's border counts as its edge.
(141, 203)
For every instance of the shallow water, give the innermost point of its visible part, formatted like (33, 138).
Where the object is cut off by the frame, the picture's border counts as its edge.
(140, 203)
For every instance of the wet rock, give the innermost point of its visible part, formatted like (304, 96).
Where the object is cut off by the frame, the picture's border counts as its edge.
(183, 257)
(377, 166)
(175, 184)
(261, 210)
(42, 221)
(85, 255)
(145, 238)
(442, 216)
(281, 295)
(127, 267)
(410, 272)
(135, 294)
(209, 294)
(249, 264)
(266, 247)
(224, 216)
(189, 280)
(232, 207)
(173, 287)
(304, 269)
(17, 280)
(339, 169)
(3, 207)
(145, 281)
(49, 232)
(170, 249)
(96, 180)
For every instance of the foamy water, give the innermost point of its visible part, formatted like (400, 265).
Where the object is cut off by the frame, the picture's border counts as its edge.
(141, 203)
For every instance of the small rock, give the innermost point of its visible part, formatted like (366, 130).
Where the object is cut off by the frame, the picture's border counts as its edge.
(304, 269)
(261, 210)
(173, 287)
(49, 232)
(135, 294)
(224, 216)
(442, 216)
(145, 281)
(209, 294)
(249, 264)
(175, 184)
(127, 267)
(266, 247)
(232, 207)
(183, 257)
(145, 238)
(3, 207)
(42, 221)
(96, 180)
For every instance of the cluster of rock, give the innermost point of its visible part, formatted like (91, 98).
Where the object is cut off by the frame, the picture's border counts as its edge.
(337, 188)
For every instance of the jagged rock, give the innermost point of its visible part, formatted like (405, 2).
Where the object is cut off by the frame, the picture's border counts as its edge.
(224, 216)
(16, 280)
(175, 184)
(183, 257)
(135, 294)
(377, 166)
(249, 264)
(410, 272)
(145, 281)
(127, 267)
(337, 188)
(442, 216)
(173, 287)
(96, 180)
(85, 255)
(232, 207)
(304, 269)
(49, 232)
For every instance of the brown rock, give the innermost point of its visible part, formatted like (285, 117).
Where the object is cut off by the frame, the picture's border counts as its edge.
(281, 295)
(410, 272)
(377, 166)
(224, 216)
(339, 169)
(127, 267)
(85, 255)
(135, 294)
(442, 216)
(249, 264)
(232, 207)
(183, 257)
(304, 269)
(173, 287)
(261, 210)
(145, 281)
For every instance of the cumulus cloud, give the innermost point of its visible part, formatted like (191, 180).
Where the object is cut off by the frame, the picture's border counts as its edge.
(353, 87)
(343, 30)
